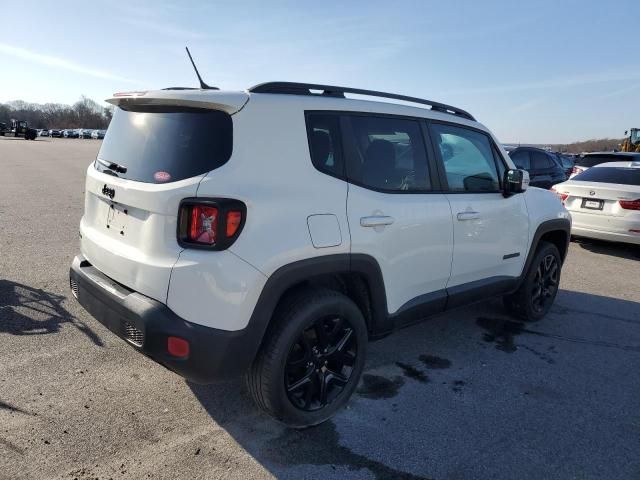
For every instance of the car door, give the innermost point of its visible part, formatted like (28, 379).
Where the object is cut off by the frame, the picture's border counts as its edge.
(490, 231)
(396, 213)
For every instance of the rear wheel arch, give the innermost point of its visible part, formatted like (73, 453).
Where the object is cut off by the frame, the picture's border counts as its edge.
(358, 276)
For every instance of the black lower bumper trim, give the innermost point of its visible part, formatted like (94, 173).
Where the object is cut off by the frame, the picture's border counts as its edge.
(146, 324)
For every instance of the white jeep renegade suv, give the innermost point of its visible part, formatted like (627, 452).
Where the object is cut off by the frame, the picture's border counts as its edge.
(275, 231)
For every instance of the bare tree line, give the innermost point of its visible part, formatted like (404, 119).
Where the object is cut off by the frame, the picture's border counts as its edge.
(85, 113)
(594, 145)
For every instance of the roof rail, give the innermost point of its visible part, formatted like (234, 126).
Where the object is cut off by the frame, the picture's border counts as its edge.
(293, 88)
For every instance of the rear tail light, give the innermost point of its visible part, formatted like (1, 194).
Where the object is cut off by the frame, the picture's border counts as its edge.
(576, 170)
(630, 204)
(234, 219)
(561, 196)
(212, 224)
(203, 225)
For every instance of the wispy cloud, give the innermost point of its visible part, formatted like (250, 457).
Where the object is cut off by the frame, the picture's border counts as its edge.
(57, 62)
(621, 91)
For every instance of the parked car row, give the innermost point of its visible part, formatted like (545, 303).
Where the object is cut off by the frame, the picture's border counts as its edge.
(604, 202)
(72, 133)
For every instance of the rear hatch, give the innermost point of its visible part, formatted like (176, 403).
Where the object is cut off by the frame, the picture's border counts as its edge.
(594, 199)
(154, 154)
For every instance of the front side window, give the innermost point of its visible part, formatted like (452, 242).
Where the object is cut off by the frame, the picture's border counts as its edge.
(468, 158)
(386, 154)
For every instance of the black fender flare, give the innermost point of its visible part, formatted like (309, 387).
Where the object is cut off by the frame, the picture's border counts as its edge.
(287, 276)
(553, 225)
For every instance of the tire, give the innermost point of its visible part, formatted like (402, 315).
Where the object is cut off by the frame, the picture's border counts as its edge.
(538, 290)
(292, 378)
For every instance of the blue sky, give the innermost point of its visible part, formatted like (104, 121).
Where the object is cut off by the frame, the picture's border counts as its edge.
(535, 71)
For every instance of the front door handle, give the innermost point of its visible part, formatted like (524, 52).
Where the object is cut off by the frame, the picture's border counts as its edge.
(462, 216)
(376, 221)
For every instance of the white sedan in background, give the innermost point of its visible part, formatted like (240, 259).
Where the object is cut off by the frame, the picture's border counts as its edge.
(604, 202)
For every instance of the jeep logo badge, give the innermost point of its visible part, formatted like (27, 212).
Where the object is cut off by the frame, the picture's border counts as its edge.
(109, 192)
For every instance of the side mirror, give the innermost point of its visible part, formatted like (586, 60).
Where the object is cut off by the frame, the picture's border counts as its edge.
(515, 181)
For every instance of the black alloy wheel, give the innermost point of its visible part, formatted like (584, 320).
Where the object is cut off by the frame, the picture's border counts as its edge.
(311, 359)
(545, 283)
(320, 363)
(537, 292)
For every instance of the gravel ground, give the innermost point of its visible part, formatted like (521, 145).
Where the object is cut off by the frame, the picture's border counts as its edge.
(467, 394)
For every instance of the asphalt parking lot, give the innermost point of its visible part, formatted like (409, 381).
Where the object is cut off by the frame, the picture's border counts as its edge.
(467, 394)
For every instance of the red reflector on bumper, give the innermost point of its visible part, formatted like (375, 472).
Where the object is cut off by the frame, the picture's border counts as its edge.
(178, 347)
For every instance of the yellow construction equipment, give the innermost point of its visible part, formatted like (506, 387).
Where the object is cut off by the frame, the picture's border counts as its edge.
(631, 141)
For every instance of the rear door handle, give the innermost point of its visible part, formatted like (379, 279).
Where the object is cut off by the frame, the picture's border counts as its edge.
(462, 216)
(376, 221)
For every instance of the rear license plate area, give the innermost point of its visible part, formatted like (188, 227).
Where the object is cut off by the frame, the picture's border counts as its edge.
(117, 218)
(592, 204)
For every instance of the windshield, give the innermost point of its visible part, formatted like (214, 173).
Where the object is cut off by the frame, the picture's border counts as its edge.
(160, 144)
(619, 175)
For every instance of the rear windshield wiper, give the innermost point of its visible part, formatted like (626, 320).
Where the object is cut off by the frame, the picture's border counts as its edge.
(113, 166)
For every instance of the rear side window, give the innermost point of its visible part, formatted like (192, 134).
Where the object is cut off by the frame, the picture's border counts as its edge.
(159, 144)
(468, 158)
(540, 161)
(323, 132)
(386, 154)
(619, 175)
(521, 159)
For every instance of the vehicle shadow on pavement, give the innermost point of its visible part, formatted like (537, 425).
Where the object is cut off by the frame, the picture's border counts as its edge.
(285, 452)
(620, 250)
(434, 385)
(26, 310)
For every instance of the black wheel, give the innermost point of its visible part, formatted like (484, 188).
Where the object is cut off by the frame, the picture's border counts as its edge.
(312, 358)
(538, 291)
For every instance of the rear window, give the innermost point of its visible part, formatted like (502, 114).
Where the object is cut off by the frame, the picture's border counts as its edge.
(160, 144)
(619, 175)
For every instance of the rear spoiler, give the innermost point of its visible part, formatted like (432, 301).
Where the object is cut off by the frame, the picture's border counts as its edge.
(230, 102)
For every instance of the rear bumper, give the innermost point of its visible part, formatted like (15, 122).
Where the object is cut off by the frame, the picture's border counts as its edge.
(146, 324)
(603, 235)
